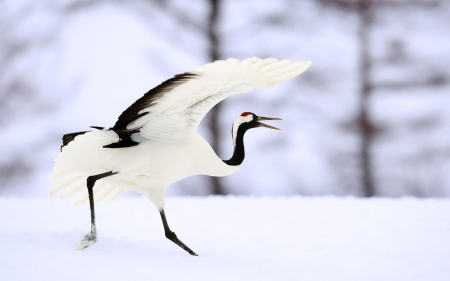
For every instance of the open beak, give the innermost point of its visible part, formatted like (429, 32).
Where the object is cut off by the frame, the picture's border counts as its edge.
(260, 118)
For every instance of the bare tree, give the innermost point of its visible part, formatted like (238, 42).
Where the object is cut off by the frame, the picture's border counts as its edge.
(14, 88)
(366, 128)
(214, 115)
(211, 31)
(20, 97)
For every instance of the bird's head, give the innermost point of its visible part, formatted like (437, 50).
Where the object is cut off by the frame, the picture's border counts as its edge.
(249, 120)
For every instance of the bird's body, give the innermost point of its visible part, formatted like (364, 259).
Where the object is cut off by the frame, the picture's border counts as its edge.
(147, 168)
(155, 142)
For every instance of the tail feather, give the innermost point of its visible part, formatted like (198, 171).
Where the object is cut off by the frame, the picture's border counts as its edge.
(113, 194)
(67, 138)
(72, 188)
(55, 175)
(82, 197)
(101, 194)
(82, 157)
(63, 181)
(102, 191)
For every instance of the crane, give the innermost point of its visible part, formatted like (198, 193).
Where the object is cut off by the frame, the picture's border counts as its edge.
(155, 143)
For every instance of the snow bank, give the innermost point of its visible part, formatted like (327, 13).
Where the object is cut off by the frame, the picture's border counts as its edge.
(237, 238)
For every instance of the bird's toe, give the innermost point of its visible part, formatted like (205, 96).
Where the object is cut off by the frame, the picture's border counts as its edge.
(86, 242)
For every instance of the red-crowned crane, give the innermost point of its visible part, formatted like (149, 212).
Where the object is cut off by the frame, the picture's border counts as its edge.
(155, 143)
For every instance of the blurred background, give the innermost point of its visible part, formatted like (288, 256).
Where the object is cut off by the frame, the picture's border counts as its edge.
(371, 117)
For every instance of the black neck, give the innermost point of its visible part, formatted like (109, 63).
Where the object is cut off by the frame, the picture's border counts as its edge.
(239, 151)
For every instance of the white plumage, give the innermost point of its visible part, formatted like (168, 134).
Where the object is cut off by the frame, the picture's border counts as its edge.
(155, 142)
(178, 113)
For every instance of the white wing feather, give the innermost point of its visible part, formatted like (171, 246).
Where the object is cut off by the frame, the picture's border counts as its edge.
(179, 111)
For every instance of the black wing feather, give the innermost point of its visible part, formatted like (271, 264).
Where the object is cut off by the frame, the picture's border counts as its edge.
(67, 138)
(132, 112)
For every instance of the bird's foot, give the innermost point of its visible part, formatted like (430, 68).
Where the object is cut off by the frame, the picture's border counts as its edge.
(173, 237)
(86, 242)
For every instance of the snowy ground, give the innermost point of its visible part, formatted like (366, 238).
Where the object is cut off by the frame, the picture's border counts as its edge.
(237, 238)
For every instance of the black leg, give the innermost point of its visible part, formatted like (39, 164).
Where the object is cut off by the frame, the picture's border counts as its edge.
(91, 238)
(172, 236)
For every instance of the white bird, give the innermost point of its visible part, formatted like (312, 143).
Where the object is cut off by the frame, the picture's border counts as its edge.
(155, 143)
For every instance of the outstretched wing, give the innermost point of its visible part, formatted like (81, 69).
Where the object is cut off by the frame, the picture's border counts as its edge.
(174, 109)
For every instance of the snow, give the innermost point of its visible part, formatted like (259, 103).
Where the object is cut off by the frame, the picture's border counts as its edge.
(237, 238)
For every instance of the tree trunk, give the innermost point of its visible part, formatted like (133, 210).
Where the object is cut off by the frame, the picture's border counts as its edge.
(366, 129)
(213, 125)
